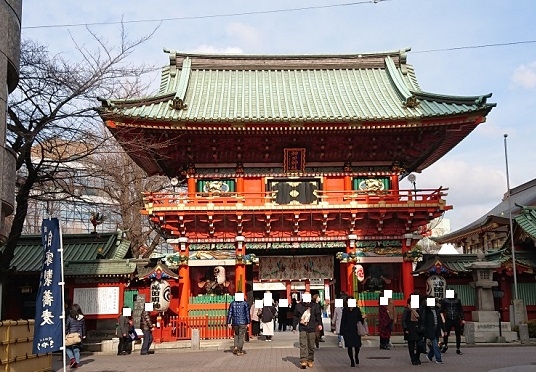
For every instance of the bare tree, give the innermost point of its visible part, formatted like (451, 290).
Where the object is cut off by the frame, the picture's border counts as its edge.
(53, 109)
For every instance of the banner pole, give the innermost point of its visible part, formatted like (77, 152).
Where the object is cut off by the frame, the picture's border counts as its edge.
(62, 287)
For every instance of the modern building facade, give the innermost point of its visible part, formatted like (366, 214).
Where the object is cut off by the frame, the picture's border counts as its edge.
(10, 28)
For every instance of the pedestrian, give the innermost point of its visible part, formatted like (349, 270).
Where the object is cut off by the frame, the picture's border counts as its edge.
(319, 332)
(255, 320)
(146, 326)
(452, 310)
(282, 318)
(385, 324)
(336, 323)
(267, 316)
(123, 327)
(352, 339)
(433, 329)
(238, 318)
(75, 323)
(411, 324)
(308, 318)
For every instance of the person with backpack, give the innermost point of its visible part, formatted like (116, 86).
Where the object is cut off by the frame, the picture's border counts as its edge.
(307, 319)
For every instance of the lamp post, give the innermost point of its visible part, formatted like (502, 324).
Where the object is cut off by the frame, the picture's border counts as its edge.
(413, 180)
(510, 218)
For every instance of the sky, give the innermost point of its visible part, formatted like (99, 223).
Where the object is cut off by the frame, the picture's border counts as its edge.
(458, 47)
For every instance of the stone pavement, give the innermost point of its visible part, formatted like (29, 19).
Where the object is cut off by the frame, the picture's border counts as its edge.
(282, 354)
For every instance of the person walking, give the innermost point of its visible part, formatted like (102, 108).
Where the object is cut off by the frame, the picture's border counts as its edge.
(75, 323)
(319, 334)
(255, 320)
(336, 322)
(267, 321)
(308, 318)
(282, 318)
(123, 326)
(147, 328)
(452, 310)
(385, 324)
(433, 330)
(413, 333)
(352, 339)
(238, 318)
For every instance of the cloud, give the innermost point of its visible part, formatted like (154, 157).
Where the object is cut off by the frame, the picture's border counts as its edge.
(216, 50)
(247, 35)
(525, 76)
(473, 190)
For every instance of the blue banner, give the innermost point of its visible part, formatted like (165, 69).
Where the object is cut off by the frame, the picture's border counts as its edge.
(48, 328)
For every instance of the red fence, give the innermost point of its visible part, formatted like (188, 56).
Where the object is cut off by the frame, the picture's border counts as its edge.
(210, 328)
(215, 327)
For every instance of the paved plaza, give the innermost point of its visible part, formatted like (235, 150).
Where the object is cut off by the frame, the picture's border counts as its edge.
(283, 355)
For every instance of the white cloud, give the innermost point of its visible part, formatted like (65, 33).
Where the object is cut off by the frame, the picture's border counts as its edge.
(246, 35)
(473, 189)
(525, 76)
(216, 50)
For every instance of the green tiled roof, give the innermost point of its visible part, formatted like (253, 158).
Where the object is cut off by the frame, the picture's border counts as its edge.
(28, 255)
(356, 88)
(527, 220)
(99, 268)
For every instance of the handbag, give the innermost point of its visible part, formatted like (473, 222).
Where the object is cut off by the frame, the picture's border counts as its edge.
(132, 334)
(72, 338)
(362, 328)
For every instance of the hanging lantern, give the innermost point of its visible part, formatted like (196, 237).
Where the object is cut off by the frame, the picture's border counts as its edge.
(359, 272)
(160, 295)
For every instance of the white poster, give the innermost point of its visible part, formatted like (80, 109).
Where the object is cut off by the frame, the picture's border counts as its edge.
(97, 301)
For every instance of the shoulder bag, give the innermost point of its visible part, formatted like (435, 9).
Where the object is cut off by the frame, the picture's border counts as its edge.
(72, 339)
(362, 328)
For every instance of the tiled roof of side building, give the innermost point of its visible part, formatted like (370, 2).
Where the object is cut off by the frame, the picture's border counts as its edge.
(523, 195)
(28, 257)
(314, 88)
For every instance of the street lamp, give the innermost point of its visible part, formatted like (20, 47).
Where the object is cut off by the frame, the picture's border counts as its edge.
(510, 219)
(413, 179)
(174, 183)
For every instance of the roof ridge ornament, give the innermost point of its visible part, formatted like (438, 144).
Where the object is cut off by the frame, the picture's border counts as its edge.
(178, 101)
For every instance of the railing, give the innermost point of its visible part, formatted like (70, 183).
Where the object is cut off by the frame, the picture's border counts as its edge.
(186, 200)
(210, 328)
(215, 327)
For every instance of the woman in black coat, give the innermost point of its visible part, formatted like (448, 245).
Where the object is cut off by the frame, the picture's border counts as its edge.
(413, 333)
(352, 340)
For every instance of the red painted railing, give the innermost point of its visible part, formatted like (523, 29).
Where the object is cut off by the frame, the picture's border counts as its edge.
(215, 328)
(187, 200)
(210, 328)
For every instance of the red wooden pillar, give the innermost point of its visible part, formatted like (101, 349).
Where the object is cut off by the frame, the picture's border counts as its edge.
(184, 278)
(407, 266)
(240, 268)
(288, 284)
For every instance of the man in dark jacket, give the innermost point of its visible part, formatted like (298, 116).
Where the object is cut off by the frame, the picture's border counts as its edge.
(147, 328)
(307, 314)
(453, 312)
(123, 325)
(433, 329)
(238, 318)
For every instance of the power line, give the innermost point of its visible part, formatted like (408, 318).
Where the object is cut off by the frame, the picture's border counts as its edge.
(209, 16)
(476, 46)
